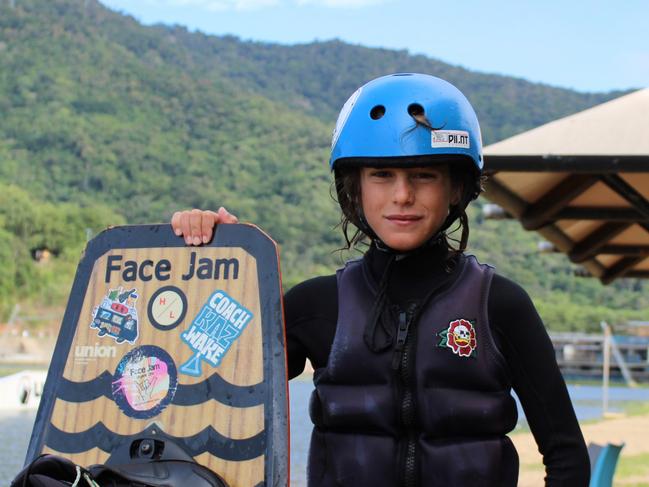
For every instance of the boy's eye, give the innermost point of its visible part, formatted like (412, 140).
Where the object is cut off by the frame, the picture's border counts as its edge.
(380, 173)
(426, 175)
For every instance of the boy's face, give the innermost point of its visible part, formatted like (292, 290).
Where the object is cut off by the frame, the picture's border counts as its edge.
(406, 206)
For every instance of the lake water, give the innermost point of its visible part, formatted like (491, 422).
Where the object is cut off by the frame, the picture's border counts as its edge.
(15, 427)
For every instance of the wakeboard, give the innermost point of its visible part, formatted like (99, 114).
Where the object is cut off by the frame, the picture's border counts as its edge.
(183, 344)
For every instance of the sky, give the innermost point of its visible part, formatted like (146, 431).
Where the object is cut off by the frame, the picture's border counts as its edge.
(588, 46)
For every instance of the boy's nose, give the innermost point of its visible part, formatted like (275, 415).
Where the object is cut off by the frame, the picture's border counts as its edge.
(403, 191)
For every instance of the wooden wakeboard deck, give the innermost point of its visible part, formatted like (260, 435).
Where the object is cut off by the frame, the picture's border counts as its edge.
(182, 341)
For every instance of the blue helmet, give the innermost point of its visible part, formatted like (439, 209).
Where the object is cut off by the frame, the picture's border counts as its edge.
(407, 120)
(402, 118)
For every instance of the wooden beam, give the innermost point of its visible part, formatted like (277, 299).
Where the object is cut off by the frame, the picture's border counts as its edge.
(642, 274)
(621, 267)
(628, 192)
(542, 211)
(629, 250)
(515, 205)
(590, 245)
(600, 213)
(499, 194)
(570, 164)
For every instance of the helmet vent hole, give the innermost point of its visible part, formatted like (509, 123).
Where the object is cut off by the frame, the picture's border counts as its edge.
(377, 112)
(415, 110)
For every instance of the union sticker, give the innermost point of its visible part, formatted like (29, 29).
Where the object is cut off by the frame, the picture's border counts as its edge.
(459, 337)
(217, 326)
(145, 382)
(116, 316)
(84, 354)
(450, 138)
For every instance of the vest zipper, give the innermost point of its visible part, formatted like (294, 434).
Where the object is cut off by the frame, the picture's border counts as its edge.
(402, 362)
(402, 335)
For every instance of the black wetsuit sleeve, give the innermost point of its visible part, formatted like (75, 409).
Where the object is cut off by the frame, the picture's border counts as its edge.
(311, 312)
(538, 382)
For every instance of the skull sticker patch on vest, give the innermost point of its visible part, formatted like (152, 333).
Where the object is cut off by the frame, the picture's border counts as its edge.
(459, 337)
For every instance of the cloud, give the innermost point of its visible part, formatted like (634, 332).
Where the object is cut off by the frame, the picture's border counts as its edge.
(241, 5)
(340, 3)
(220, 5)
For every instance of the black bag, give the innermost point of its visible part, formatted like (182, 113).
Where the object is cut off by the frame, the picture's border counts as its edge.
(55, 471)
(158, 473)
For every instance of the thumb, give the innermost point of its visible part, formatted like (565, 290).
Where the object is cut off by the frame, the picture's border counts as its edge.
(226, 217)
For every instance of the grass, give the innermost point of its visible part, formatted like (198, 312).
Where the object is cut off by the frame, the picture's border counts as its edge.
(12, 369)
(636, 408)
(7, 371)
(598, 383)
(632, 471)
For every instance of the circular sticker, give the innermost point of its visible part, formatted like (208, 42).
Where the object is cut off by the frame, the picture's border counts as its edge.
(167, 308)
(145, 382)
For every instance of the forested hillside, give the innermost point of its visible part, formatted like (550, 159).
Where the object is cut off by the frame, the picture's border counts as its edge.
(106, 121)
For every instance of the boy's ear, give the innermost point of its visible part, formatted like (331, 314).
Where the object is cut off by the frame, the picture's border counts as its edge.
(456, 194)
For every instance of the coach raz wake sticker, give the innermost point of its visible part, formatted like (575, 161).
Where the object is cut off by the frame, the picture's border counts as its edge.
(217, 326)
(116, 316)
(450, 138)
(460, 337)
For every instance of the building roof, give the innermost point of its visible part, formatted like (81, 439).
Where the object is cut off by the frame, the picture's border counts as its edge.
(583, 183)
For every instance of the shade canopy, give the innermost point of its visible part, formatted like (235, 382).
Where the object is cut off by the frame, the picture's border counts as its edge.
(583, 183)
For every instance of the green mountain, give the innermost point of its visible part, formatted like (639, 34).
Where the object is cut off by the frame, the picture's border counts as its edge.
(317, 78)
(107, 121)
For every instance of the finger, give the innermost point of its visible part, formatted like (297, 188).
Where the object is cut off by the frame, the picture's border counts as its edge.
(185, 226)
(175, 223)
(195, 218)
(207, 225)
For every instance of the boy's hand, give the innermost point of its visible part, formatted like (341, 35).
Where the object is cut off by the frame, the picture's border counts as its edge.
(197, 226)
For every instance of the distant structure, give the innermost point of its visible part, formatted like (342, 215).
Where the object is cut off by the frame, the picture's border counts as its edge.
(22, 390)
(41, 255)
(583, 356)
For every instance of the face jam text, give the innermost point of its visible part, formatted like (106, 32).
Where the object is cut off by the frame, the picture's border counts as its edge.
(146, 270)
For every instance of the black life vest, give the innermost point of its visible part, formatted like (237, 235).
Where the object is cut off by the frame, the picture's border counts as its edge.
(432, 410)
